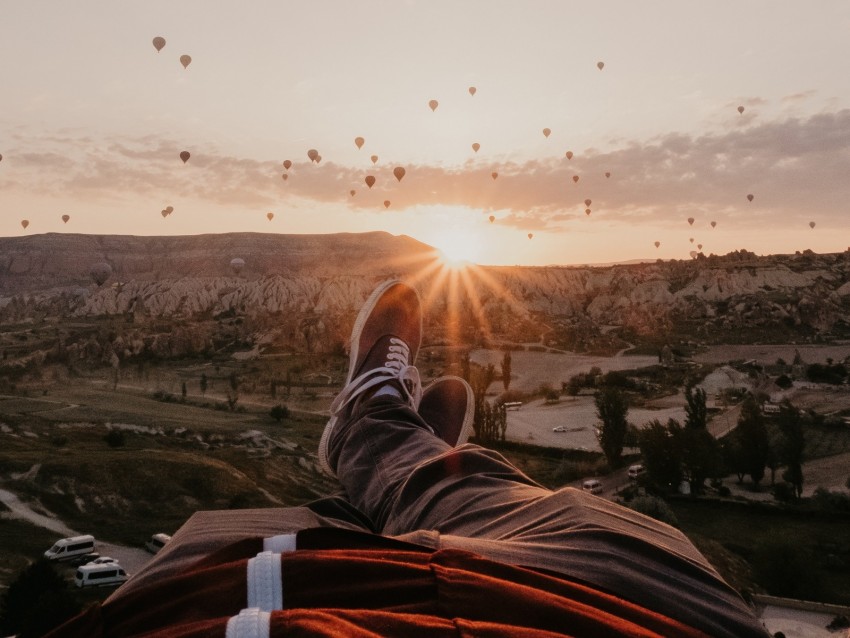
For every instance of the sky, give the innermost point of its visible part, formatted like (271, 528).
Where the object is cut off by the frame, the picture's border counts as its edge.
(93, 120)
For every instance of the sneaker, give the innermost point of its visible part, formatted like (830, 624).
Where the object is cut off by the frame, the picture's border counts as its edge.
(448, 406)
(384, 344)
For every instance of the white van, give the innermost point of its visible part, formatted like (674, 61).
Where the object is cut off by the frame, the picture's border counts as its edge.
(157, 542)
(592, 485)
(68, 548)
(103, 575)
(635, 471)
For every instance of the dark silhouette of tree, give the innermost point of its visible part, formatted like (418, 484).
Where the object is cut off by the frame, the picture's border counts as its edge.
(790, 423)
(661, 455)
(183, 390)
(696, 416)
(612, 408)
(506, 370)
(279, 412)
(203, 384)
(484, 422)
(752, 437)
(36, 601)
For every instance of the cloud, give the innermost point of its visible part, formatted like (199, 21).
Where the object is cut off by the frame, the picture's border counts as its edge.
(791, 166)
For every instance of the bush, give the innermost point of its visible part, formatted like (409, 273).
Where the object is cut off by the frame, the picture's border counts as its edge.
(784, 492)
(115, 438)
(654, 508)
(36, 601)
(784, 381)
(279, 412)
(724, 491)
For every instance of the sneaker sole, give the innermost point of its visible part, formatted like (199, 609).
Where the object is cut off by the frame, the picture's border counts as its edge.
(469, 413)
(362, 318)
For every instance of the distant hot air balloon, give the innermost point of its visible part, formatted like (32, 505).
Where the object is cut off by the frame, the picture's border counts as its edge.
(1, 158)
(164, 213)
(433, 104)
(65, 218)
(494, 175)
(741, 110)
(750, 197)
(691, 240)
(531, 235)
(270, 216)
(185, 60)
(169, 209)
(607, 174)
(693, 254)
(312, 154)
(492, 218)
(587, 211)
(699, 246)
(237, 264)
(472, 90)
(690, 221)
(100, 272)
(399, 172)
(575, 178)
(569, 154)
(318, 159)
(476, 146)
(358, 141)
(713, 224)
(811, 225)
(25, 223)
(600, 65)
(185, 155)
(284, 176)
(158, 43)
(352, 192)
(287, 164)
(370, 181)
(547, 132)
(657, 244)
(374, 159)
(587, 203)
(386, 203)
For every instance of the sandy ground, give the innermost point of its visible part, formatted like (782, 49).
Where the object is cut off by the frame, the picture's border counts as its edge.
(768, 354)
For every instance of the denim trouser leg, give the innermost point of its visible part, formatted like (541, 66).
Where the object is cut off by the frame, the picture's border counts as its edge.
(405, 479)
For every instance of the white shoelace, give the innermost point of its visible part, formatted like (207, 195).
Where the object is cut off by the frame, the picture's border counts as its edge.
(395, 368)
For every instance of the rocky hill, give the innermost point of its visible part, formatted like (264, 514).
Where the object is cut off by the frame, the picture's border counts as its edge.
(303, 291)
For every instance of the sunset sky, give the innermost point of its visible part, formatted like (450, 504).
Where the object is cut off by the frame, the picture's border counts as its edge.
(93, 120)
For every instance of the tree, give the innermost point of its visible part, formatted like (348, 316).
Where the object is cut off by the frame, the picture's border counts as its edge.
(695, 411)
(661, 455)
(790, 424)
(506, 370)
(183, 390)
(753, 439)
(203, 384)
(36, 601)
(611, 409)
(484, 422)
(279, 412)
(700, 456)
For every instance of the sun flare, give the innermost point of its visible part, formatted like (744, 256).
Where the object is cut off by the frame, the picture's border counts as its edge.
(457, 248)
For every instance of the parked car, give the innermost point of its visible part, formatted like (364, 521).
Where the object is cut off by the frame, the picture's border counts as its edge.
(100, 575)
(68, 548)
(559, 428)
(635, 471)
(592, 485)
(102, 560)
(157, 542)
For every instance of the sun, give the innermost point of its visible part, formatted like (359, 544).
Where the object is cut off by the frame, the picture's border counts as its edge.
(457, 247)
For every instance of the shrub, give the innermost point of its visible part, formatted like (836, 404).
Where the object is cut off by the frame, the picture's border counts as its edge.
(654, 508)
(783, 492)
(36, 601)
(279, 412)
(784, 381)
(115, 438)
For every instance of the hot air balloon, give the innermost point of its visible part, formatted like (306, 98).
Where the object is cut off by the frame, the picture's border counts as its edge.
(657, 244)
(158, 43)
(370, 181)
(399, 172)
(237, 264)
(811, 225)
(547, 132)
(352, 192)
(691, 240)
(284, 176)
(600, 65)
(374, 159)
(164, 213)
(358, 141)
(100, 272)
(713, 224)
(750, 197)
(287, 164)
(1, 158)
(531, 235)
(318, 159)
(472, 90)
(741, 110)
(270, 216)
(575, 178)
(433, 104)
(607, 174)
(185, 155)
(169, 209)
(386, 203)
(312, 154)
(699, 246)
(494, 175)
(587, 211)
(492, 218)
(569, 154)
(65, 218)
(693, 254)
(587, 203)
(185, 60)
(25, 223)
(476, 146)
(690, 221)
